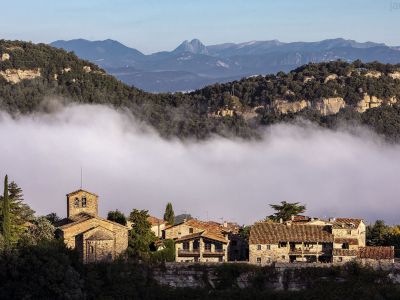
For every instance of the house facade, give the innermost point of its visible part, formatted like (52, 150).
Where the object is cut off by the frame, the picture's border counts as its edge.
(95, 238)
(312, 240)
(198, 241)
(201, 247)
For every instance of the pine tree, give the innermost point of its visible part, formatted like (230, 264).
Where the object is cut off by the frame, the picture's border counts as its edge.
(169, 215)
(6, 214)
(286, 210)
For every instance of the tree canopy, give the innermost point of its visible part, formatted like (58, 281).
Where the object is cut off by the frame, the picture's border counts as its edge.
(286, 210)
(169, 214)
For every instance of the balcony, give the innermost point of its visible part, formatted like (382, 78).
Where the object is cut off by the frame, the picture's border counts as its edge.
(216, 252)
(306, 252)
(189, 253)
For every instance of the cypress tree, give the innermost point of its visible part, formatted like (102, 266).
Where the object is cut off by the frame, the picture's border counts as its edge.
(169, 215)
(6, 214)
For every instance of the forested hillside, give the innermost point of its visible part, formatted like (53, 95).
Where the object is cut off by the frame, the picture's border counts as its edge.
(326, 93)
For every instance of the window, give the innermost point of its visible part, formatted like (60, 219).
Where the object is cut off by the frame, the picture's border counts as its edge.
(282, 245)
(258, 247)
(283, 256)
(207, 246)
(83, 201)
(340, 259)
(76, 202)
(91, 249)
(259, 260)
(345, 246)
(190, 230)
(185, 245)
(349, 231)
(268, 247)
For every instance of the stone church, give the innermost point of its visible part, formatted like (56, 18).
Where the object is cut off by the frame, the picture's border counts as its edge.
(95, 238)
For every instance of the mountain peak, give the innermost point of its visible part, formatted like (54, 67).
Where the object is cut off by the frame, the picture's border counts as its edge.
(194, 46)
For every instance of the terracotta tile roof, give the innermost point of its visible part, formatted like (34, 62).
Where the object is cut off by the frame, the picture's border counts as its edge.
(300, 218)
(204, 234)
(273, 233)
(155, 221)
(347, 223)
(348, 241)
(376, 252)
(344, 252)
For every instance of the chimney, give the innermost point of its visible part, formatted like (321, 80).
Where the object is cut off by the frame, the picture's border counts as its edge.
(184, 220)
(225, 224)
(292, 217)
(281, 220)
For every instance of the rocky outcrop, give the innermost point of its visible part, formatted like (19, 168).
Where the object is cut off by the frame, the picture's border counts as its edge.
(330, 106)
(87, 69)
(16, 75)
(330, 77)
(284, 106)
(373, 74)
(372, 101)
(308, 78)
(4, 57)
(395, 75)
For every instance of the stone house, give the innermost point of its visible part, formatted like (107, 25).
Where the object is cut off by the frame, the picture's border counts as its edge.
(193, 237)
(304, 239)
(201, 246)
(157, 225)
(349, 235)
(95, 238)
(278, 242)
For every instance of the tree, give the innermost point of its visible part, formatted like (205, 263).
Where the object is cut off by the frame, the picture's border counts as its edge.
(6, 214)
(53, 218)
(20, 214)
(376, 234)
(169, 215)
(286, 210)
(117, 216)
(40, 230)
(141, 236)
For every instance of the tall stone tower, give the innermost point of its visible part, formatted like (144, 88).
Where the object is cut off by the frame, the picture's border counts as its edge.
(82, 201)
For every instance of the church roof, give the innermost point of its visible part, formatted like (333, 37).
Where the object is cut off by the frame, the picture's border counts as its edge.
(81, 190)
(82, 217)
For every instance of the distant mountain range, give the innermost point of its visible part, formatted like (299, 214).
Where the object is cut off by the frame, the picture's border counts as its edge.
(193, 65)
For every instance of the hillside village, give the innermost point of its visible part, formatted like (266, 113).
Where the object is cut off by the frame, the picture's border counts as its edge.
(300, 239)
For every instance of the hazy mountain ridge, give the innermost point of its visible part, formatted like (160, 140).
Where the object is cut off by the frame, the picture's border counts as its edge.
(324, 93)
(203, 65)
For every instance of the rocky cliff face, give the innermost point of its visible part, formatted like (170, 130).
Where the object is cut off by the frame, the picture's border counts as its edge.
(372, 101)
(16, 75)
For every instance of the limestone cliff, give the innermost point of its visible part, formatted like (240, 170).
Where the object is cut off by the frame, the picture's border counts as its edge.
(330, 106)
(284, 106)
(16, 75)
(372, 101)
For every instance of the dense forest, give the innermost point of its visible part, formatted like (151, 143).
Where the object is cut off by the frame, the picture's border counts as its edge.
(198, 114)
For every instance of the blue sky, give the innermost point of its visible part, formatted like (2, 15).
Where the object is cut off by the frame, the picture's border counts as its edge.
(150, 25)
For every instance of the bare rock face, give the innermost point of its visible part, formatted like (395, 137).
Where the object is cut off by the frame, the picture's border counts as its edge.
(4, 57)
(87, 69)
(395, 75)
(16, 75)
(330, 77)
(372, 101)
(330, 106)
(284, 107)
(373, 74)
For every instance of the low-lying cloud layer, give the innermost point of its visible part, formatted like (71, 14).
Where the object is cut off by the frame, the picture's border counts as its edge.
(334, 173)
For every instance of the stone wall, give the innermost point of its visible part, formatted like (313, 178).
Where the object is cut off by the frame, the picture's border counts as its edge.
(281, 276)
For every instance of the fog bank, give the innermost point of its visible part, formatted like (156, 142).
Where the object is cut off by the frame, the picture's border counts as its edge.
(334, 173)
